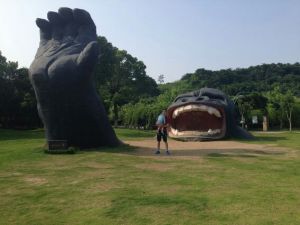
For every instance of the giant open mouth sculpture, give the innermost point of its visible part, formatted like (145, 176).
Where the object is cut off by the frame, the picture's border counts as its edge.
(206, 114)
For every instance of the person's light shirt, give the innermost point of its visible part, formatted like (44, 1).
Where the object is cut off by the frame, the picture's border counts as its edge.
(161, 120)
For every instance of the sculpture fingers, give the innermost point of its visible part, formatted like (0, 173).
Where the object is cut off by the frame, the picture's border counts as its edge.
(45, 29)
(57, 24)
(83, 17)
(86, 26)
(89, 56)
(66, 14)
(70, 29)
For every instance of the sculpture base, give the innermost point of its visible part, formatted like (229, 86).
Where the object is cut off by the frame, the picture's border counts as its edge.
(59, 147)
(57, 144)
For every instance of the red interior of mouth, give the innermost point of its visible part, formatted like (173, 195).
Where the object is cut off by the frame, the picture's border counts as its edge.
(197, 121)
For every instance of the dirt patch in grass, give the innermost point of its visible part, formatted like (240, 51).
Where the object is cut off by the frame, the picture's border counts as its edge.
(96, 165)
(155, 166)
(36, 181)
(101, 187)
(190, 150)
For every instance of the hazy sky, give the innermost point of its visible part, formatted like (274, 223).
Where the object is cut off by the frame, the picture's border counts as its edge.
(172, 37)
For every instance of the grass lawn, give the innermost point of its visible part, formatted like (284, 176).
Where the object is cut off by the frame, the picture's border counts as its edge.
(130, 134)
(281, 139)
(111, 186)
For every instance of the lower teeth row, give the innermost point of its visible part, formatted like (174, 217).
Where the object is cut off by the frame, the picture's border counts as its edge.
(201, 133)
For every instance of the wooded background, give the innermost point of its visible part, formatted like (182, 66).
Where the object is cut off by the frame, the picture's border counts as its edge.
(134, 99)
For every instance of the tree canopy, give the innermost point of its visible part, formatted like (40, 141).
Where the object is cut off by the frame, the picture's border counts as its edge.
(121, 78)
(259, 78)
(17, 100)
(134, 99)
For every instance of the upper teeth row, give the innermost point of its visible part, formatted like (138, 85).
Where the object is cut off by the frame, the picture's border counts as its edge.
(190, 108)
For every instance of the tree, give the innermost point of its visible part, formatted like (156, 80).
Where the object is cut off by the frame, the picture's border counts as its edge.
(275, 106)
(161, 79)
(257, 101)
(283, 104)
(141, 114)
(121, 78)
(17, 100)
(244, 107)
(261, 78)
(288, 103)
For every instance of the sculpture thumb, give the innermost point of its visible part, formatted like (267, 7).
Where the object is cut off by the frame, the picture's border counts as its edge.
(89, 56)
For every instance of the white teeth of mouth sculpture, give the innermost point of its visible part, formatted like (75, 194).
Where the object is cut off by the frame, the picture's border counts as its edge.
(195, 133)
(193, 108)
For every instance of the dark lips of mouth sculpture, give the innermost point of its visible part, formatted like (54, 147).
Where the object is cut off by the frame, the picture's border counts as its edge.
(198, 125)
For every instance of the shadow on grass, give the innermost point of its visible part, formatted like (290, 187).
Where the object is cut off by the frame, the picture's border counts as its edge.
(268, 138)
(126, 149)
(137, 151)
(178, 153)
(231, 155)
(8, 134)
(257, 139)
(123, 148)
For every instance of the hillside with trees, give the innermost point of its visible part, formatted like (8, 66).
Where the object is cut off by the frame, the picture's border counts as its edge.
(271, 90)
(134, 99)
(260, 78)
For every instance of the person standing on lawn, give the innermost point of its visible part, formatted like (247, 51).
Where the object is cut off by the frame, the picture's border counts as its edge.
(162, 132)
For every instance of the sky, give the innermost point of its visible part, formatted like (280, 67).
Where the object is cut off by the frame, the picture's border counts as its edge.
(171, 37)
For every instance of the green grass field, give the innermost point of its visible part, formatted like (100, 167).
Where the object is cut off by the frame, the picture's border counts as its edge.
(113, 186)
(281, 139)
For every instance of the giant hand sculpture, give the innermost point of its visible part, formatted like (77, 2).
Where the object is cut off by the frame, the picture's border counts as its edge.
(61, 75)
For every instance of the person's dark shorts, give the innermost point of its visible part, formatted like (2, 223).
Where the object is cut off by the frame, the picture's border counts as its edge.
(162, 134)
